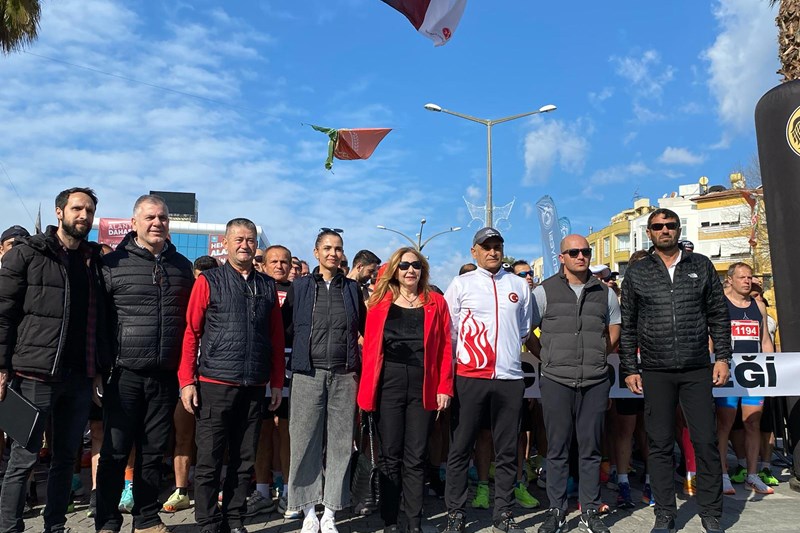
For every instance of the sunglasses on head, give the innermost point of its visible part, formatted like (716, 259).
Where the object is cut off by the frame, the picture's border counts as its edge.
(525, 274)
(658, 226)
(403, 265)
(329, 230)
(573, 252)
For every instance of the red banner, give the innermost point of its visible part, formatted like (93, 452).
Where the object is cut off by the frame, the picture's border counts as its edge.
(113, 230)
(358, 143)
(216, 249)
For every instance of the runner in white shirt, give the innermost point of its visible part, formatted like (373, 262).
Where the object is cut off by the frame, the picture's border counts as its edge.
(491, 311)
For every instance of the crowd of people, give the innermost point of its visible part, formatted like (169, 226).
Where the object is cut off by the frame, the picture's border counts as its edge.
(253, 375)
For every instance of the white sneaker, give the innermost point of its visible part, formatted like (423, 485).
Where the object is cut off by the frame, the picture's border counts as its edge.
(727, 487)
(328, 526)
(310, 524)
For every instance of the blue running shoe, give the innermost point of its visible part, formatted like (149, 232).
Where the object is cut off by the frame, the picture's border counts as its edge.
(624, 500)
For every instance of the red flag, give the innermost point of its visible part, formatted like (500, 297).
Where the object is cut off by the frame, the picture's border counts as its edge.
(435, 19)
(358, 143)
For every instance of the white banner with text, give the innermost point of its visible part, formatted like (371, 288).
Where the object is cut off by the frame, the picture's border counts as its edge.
(764, 374)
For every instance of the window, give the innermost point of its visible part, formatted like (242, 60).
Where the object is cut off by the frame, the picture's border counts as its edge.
(606, 246)
(646, 242)
(622, 268)
(623, 242)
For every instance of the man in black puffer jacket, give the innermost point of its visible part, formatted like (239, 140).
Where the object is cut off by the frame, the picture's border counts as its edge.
(672, 301)
(53, 344)
(149, 284)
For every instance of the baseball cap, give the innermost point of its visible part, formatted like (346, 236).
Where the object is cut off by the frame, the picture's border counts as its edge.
(483, 234)
(688, 245)
(603, 271)
(14, 231)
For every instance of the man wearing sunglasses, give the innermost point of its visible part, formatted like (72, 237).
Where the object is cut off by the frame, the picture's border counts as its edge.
(580, 320)
(491, 313)
(523, 269)
(672, 301)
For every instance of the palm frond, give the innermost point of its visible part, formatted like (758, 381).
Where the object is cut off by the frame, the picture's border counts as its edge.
(19, 24)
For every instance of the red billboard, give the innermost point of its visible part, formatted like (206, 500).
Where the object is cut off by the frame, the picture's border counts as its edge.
(113, 230)
(216, 249)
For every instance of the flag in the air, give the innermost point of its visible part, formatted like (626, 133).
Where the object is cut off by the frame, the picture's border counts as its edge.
(435, 19)
(357, 143)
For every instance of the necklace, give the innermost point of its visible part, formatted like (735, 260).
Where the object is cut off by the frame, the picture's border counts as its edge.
(412, 301)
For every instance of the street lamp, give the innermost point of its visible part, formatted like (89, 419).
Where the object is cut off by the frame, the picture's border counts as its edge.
(419, 245)
(489, 123)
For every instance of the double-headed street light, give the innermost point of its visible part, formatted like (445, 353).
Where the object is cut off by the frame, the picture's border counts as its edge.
(489, 123)
(419, 245)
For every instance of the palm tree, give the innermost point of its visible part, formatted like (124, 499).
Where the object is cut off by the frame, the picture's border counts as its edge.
(788, 22)
(19, 23)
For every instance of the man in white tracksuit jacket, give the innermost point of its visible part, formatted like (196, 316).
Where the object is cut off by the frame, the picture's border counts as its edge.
(491, 311)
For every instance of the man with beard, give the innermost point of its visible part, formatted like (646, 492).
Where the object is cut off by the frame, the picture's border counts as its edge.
(365, 264)
(148, 284)
(671, 302)
(52, 340)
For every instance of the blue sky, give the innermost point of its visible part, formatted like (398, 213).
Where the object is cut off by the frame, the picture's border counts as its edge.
(650, 95)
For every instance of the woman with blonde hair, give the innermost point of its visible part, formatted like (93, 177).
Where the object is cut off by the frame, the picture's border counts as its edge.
(407, 373)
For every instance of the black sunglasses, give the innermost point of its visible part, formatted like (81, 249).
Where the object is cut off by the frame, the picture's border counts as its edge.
(258, 258)
(403, 265)
(573, 252)
(525, 274)
(658, 226)
(331, 230)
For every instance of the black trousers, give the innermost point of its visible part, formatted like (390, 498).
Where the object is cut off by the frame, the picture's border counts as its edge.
(580, 411)
(793, 427)
(67, 403)
(662, 392)
(137, 411)
(229, 417)
(502, 399)
(403, 426)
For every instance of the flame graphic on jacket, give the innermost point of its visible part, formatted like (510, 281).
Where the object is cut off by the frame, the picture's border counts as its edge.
(476, 342)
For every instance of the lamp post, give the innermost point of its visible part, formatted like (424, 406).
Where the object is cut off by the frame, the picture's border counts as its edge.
(419, 245)
(489, 123)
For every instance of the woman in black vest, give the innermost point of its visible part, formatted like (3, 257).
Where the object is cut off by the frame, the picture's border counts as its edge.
(328, 316)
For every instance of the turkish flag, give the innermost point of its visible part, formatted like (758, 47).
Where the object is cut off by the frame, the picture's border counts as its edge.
(358, 143)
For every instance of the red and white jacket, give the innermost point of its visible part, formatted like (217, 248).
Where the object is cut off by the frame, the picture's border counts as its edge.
(491, 315)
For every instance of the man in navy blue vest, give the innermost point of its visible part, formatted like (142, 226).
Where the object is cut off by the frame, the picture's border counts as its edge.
(234, 311)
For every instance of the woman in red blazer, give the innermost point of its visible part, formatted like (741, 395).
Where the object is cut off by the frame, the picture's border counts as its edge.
(407, 373)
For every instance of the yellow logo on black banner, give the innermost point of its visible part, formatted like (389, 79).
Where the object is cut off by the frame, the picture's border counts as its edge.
(793, 131)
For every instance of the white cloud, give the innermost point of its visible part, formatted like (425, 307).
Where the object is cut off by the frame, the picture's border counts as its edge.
(608, 178)
(597, 98)
(629, 137)
(529, 209)
(742, 61)
(555, 142)
(473, 192)
(645, 73)
(72, 126)
(680, 156)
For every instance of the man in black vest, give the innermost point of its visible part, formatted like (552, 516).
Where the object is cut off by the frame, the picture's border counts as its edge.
(234, 311)
(148, 284)
(672, 301)
(580, 323)
(52, 348)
